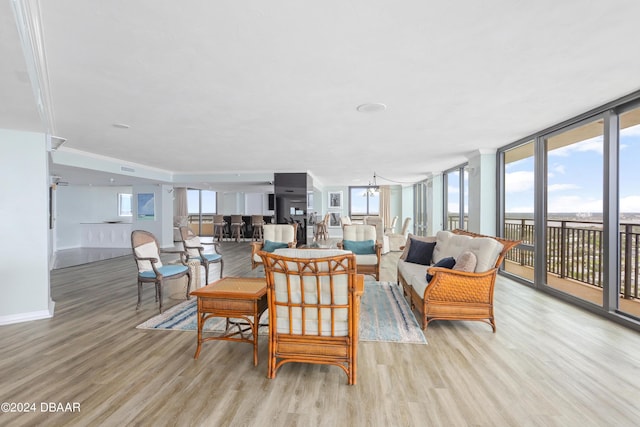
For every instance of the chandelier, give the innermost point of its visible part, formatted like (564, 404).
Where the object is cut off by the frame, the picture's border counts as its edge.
(372, 188)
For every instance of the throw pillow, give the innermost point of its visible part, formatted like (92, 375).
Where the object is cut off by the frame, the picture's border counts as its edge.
(270, 246)
(420, 252)
(466, 262)
(359, 247)
(448, 262)
(148, 250)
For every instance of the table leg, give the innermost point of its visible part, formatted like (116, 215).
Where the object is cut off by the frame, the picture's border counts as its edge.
(254, 328)
(200, 324)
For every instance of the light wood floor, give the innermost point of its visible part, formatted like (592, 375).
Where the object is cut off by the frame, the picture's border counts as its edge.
(549, 364)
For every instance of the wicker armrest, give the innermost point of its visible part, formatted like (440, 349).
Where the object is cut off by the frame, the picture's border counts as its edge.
(460, 286)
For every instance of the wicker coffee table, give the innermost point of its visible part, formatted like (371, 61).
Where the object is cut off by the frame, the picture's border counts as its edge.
(233, 298)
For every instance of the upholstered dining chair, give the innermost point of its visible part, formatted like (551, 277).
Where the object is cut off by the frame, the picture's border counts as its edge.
(361, 240)
(398, 240)
(146, 252)
(237, 227)
(390, 229)
(313, 296)
(194, 249)
(381, 237)
(276, 236)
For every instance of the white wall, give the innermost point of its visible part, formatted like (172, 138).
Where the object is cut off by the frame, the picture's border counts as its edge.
(84, 204)
(24, 258)
(162, 225)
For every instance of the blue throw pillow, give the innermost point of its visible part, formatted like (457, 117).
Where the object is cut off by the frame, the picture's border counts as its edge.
(444, 262)
(362, 247)
(420, 252)
(270, 246)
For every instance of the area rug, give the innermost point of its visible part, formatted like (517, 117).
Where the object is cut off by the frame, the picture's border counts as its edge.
(385, 316)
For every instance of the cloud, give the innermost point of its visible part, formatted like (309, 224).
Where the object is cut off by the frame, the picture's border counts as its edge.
(516, 182)
(558, 168)
(562, 187)
(592, 144)
(521, 209)
(574, 204)
(631, 131)
(630, 204)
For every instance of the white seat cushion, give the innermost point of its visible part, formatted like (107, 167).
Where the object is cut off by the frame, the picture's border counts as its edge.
(368, 259)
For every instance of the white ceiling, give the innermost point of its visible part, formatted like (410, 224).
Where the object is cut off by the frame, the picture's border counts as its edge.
(254, 86)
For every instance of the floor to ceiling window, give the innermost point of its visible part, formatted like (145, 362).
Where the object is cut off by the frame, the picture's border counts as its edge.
(571, 195)
(629, 216)
(456, 198)
(364, 201)
(519, 202)
(201, 205)
(574, 210)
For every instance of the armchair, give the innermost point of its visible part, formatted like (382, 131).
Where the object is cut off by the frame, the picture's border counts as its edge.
(146, 253)
(313, 297)
(368, 255)
(274, 236)
(194, 249)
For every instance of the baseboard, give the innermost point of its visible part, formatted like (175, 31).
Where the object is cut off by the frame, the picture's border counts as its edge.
(27, 317)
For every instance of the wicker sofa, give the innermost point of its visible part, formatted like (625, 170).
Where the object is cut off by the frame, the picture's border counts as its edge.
(454, 294)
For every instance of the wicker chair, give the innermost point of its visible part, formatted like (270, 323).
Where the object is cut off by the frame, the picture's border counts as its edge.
(146, 252)
(194, 249)
(368, 263)
(458, 295)
(318, 323)
(275, 233)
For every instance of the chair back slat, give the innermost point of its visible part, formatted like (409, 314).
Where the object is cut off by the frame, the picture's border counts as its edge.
(311, 296)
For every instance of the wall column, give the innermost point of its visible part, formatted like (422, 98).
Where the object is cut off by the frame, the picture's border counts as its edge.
(482, 192)
(24, 214)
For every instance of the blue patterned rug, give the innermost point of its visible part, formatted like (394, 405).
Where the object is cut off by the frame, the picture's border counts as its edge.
(384, 316)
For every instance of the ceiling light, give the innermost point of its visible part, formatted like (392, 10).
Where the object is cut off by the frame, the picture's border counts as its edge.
(371, 107)
(121, 125)
(372, 189)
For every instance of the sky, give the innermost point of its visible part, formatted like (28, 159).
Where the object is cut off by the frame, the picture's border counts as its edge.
(575, 177)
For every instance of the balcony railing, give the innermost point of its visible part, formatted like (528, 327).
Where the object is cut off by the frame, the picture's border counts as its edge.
(575, 248)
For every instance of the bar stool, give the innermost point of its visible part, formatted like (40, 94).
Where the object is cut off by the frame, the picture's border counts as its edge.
(322, 228)
(219, 225)
(257, 222)
(237, 227)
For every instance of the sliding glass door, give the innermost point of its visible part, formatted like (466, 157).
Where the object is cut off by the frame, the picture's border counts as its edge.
(574, 210)
(629, 216)
(519, 202)
(201, 205)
